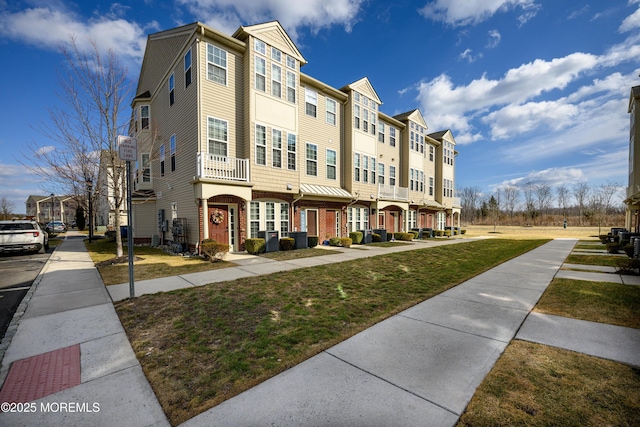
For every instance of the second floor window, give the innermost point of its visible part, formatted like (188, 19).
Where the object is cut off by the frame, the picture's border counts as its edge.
(291, 86)
(331, 164)
(310, 102)
(276, 80)
(261, 145)
(261, 74)
(216, 64)
(392, 136)
(381, 132)
(172, 150)
(217, 135)
(312, 159)
(392, 175)
(331, 111)
(144, 116)
(276, 148)
(431, 186)
(291, 151)
(381, 173)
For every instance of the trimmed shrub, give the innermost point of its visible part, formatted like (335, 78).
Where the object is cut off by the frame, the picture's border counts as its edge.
(334, 241)
(447, 233)
(613, 247)
(628, 249)
(628, 266)
(407, 237)
(439, 233)
(356, 237)
(415, 234)
(463, 231)
(604, 238)
(213, 250)
(345, 242)
(287, 243)
(376, 237)
(255, 246)
(312, 241)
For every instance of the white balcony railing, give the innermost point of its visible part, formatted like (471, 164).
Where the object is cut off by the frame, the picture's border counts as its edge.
(222, 167)
(393, 192)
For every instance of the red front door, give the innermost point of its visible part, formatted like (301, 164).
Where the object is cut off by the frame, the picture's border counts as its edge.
(330, 225)
(219, 223)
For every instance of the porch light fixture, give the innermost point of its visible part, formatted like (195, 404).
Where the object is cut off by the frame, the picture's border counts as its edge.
(289, 186)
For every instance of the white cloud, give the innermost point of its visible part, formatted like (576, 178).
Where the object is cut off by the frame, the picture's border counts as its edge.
(494, 39)
(550, 176)
(314, 14)
(45, 150)
(469, 12)
(631, 22)
(469, 57)
(125, 38)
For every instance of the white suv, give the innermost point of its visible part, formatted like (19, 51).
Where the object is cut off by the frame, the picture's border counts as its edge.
(22, 235)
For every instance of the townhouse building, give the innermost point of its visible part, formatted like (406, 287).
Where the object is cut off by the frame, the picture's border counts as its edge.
(632, 219)
(51, 208)
(235, 140)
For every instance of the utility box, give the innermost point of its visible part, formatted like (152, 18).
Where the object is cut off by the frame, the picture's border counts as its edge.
(367, 236)
(300, 239)
(383, 234)
(271, 240)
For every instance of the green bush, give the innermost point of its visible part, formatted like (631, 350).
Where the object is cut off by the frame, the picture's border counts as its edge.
(312, 241)
(213, 250)
(463, 231)
(628, 266)
(110, 234)
(605, 238)
(628, 249)
(415, 234)
(613, 247)
(407, 237)
(376, 237)
(439, 233)
(287, 243)
(346, 242)
(255, 246)
(447, 233)
(356, 237)
(334, 241)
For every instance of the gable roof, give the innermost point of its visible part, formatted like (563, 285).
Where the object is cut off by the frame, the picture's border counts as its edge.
(273, 34)
(365, 87)
(414, 115)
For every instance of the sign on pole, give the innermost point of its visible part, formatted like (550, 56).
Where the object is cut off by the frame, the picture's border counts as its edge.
(127, 148)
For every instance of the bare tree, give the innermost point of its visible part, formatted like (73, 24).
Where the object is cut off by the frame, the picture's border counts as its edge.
(608, 192)
(543, 196)
(93, 89)
(562, 194)
(6, 207)
(470, 200)
(511, 197)
(530, 207)
(580, 193)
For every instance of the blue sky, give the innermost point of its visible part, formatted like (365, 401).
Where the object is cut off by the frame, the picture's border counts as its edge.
(534, 91)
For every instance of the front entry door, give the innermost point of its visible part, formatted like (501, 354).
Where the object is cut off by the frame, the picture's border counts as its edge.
(219, 223)
(331, 224)
(312, 222)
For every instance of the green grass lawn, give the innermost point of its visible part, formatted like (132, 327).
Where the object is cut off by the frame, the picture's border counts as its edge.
(201, 346)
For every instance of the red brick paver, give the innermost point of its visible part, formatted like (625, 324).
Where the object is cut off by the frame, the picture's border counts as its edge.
(39, 376)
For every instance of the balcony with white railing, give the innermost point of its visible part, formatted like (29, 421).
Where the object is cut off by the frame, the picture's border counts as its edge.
(393, 192)
(225, 168)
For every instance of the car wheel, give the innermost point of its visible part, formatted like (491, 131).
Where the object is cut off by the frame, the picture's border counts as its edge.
(46, 246)
(42, 250)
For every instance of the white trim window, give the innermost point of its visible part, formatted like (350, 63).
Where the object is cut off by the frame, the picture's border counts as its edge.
(261, 145)
(392, 136)
(216, 64)
(332, 162)
(254, 219)
(144, 117)
(261, 73)
(276, 54)
(381, 173)
(373, 170)
(331, 106)
(357, 218)
(276, 80)
(412, 219)
(217, 136)
(161, 156)
(172, 152)
(146, 167)
(172, 90)
(356, 116)
(421, 181)
(373, 121)
(260, 47)
(365, 119)
(276, 148)
(187, 69)
(365, 169)
(431, 185)
(392, 175)
(356, 167)
(310, 102)
(381, 132)
(312, 159)
(284, 217)
(291, 86)
(291, 152)
(270, 215)
(431, 152)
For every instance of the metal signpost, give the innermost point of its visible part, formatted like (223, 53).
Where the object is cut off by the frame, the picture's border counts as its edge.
(128, 150)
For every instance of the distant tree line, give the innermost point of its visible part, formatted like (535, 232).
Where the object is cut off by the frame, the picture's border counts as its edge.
(542, 204)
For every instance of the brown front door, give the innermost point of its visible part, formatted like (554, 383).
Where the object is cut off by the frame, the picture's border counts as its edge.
(312, 223)
(219, 223)
(330, 224)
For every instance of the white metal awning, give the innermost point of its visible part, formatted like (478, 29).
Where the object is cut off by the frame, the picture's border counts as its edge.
(322, 190)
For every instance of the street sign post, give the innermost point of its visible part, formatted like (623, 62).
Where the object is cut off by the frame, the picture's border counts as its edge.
(128, 150)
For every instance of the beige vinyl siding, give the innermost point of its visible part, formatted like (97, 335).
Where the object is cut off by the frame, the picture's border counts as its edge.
(144, 223)
(317, 131)
(347, 145)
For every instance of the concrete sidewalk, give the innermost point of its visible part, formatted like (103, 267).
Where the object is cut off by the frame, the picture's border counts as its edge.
(69, 355)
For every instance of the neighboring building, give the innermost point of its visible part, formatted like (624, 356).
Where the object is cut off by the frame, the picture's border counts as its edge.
(105, 210)
(51, 208)
(632, 221)
(233, 139)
